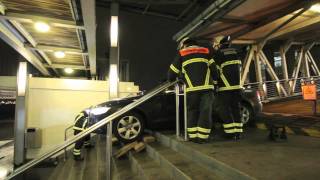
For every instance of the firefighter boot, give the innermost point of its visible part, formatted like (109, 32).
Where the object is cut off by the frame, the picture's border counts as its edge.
(283, 134)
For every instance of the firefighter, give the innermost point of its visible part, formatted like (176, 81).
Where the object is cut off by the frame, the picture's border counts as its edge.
(229, 91)
(198, 70)
(81, 124)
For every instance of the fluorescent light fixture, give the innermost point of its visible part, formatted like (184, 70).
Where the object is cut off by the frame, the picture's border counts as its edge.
(113, 80)
(68, 70)
(59, 54)
(41, 27)
(114, 31)
(315, 8)
(22, 79)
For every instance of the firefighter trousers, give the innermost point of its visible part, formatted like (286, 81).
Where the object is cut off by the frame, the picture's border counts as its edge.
(229, 111)
(80, 125)
(199, 114)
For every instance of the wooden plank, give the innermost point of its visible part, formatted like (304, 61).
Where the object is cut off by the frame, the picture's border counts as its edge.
(149, 139)
(140, 146)
(125, 149)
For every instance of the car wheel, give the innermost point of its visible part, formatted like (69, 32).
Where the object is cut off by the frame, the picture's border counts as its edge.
(246, 114)
(129, 127)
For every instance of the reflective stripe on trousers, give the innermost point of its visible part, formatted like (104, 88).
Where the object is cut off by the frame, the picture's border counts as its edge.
(233, 128)
(198, 132)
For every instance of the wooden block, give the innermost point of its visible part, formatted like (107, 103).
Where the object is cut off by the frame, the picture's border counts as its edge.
(114, 140)
(149, 139)
(140, 146)
(125, 149)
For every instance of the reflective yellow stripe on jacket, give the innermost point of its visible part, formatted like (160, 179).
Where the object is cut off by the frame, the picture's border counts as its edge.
(206, 83)
(224, 79)
(174, 69)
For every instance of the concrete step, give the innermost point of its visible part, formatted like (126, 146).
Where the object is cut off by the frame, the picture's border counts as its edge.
(122, 170)
(179, 166)
(146, 168)
(194, 153)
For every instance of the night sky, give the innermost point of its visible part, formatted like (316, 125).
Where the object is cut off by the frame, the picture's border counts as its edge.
(145, 41)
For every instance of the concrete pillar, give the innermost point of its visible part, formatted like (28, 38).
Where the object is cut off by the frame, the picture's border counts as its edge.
(20, 116)
(114, 57)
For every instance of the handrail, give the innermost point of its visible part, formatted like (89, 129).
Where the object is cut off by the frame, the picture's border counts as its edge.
(90, 129)
(65, 138)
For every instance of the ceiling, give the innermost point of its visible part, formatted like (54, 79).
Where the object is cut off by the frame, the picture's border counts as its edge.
(64, 30)
(72, 25)
(256, 21)
(177, 10)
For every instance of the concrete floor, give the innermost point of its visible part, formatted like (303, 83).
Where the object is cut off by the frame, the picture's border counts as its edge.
(255, 155)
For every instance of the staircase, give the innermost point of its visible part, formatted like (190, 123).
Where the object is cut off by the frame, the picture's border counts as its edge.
(165, 159)
(254, 157)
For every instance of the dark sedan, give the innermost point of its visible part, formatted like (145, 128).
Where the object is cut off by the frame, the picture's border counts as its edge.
(159, 112)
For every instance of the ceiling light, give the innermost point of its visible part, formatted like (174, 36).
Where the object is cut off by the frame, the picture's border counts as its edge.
(59, 54)
(42, 27)
(68, 70)
(315, 8)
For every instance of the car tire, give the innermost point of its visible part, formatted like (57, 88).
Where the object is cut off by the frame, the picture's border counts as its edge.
(129, 128)
(246, 114)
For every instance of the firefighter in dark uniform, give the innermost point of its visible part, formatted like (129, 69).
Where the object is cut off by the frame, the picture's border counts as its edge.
(229, 92)
(81, 124)
(195, 64)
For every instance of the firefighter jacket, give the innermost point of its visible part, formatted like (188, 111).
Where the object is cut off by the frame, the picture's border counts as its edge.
(229, 67)
(81, 121)
(197, 67)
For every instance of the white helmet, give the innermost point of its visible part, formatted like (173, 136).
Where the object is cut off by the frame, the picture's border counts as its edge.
(181, 43)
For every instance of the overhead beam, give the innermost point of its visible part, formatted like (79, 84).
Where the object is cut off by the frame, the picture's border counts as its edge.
(156, 2)
(11, 37)
(229, 19)
(27, 35)
(89, 18)
(215, 11)
(62, 66)
(187, 9)
(270, 18)
(267, 37)
(51, 48)
(243, 41)
(2, 8)
(29, 18)
(148, 13)
(296, 27)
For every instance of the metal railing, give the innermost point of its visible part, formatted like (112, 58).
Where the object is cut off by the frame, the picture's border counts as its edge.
(273, 90)
(94, 127)
(65, 139)
(180, 90)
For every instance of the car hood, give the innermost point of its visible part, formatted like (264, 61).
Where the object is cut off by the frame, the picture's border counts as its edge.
(117, 102)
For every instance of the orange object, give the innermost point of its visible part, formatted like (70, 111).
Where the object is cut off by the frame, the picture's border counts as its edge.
(309, 92)
(199, 50)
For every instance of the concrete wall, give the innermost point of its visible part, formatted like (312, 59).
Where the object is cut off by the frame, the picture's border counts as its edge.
(54, 103)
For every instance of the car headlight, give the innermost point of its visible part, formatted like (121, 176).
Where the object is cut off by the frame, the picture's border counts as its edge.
(98, 110)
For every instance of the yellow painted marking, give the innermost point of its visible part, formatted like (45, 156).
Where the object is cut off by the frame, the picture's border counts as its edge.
(311, 132)
(262, 126)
